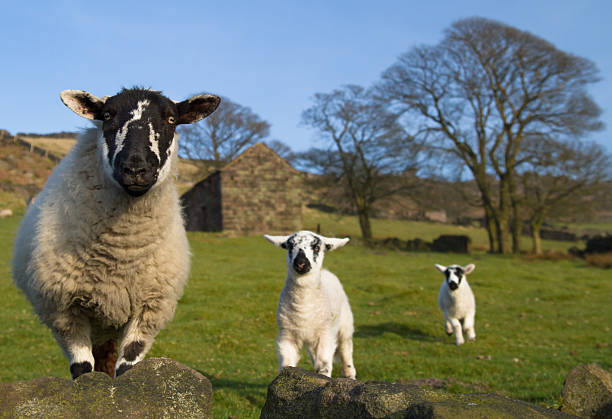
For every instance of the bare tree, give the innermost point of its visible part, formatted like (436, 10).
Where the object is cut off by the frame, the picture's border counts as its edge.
(223, 135)
(483, 89)
(560, 180)
(367, 151)
(283, 150)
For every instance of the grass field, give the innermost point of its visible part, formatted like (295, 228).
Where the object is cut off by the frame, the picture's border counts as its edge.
(536, 319)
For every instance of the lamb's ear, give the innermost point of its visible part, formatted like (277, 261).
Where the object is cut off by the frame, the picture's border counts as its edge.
(467, 269)
(441, 268)
(280, 241)
(331, 243)
(84, 103)
(196, 108)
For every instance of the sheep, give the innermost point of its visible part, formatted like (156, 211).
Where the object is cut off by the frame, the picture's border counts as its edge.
(313, 309)
(457, 302)
(102, 253)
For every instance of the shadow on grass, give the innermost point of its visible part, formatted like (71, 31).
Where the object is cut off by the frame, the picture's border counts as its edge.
(250, 391)
(407, 332)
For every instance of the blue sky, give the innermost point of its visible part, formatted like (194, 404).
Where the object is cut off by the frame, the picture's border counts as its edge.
(271, 56)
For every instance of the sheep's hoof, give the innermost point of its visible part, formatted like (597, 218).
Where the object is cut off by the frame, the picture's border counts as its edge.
(449, 333)
(122, 368)
(80, 368)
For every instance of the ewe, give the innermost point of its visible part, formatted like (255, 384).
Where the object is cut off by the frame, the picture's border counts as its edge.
(102, 253)
(313, 309)
(457, 301)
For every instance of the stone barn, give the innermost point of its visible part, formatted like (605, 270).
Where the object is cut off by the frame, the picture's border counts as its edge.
(257, 192)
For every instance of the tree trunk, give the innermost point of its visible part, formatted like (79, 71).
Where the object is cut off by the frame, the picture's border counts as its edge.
(490, 227)
(517, 228)
(503, 217)
(535, 237)
(364, 224)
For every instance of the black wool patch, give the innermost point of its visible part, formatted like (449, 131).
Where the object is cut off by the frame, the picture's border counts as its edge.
(316, 248)
(80, 368)
(132, 350)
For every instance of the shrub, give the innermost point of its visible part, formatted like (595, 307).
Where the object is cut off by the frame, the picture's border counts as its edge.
(599, 260)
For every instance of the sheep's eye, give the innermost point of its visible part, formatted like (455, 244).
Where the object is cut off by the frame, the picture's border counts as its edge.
(317, 249)
(107, 116)
(171, 120)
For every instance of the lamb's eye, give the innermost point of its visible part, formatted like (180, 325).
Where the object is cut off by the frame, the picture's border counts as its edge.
(317, 249)
(107, 116)
(171, 120)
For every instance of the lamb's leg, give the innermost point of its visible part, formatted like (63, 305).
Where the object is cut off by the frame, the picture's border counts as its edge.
(449, 326)
(345, 351)
(468, 326)
(73, 334)
(457, 330)
(287, 352)
(324, 355)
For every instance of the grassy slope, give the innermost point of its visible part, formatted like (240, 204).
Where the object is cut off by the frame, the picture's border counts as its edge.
(536, 319)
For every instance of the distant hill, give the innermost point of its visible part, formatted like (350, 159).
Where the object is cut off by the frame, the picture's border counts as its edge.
(27, 159)
(22, 173)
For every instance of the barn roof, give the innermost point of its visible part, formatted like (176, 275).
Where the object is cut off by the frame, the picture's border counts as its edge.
(253, 150)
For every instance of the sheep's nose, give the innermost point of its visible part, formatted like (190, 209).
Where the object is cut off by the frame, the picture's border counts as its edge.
(301, 264)
(453, 285)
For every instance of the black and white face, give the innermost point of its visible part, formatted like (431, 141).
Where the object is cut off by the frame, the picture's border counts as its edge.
(455, 274)
(138, 137)
(305, 249)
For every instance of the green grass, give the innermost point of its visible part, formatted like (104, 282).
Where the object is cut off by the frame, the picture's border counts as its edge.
(536, 319)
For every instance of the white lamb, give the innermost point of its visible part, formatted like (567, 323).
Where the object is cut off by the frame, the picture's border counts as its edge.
(313, 309)
(457, 301)
(102, 253)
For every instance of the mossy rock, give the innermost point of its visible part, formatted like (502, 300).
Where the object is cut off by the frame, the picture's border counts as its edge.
(297, 393)
(154, 388)
(587, 392)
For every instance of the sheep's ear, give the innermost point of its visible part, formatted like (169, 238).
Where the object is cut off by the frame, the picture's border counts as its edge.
(196, 108)
(469, 268)
(280, 241)
(441, 268)
(331, 244)
(84, 103)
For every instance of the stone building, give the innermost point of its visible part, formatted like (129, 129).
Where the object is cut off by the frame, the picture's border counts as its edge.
(257, 192)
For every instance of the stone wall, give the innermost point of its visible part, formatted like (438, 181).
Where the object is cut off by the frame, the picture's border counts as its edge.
(261, 193)
(297, 393)
(202, 205)
(452, 243)
(154, 388)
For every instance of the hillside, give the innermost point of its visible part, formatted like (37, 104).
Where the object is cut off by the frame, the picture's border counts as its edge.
(22, 174)
(26, 161)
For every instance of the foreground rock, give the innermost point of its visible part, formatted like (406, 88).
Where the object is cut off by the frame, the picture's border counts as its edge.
(587, 392)
(296, 393)
(154, 388)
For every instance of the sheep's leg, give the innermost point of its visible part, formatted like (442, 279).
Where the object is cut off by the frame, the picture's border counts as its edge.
(449, 326)
(140, 333)
(324, 355)
(288, 353)
(73, 334)
(345, 351)
(468, 327)
(457, 330)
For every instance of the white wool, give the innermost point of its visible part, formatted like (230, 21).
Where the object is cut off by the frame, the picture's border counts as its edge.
(458, 306)
(97, 263)
(314, 311)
